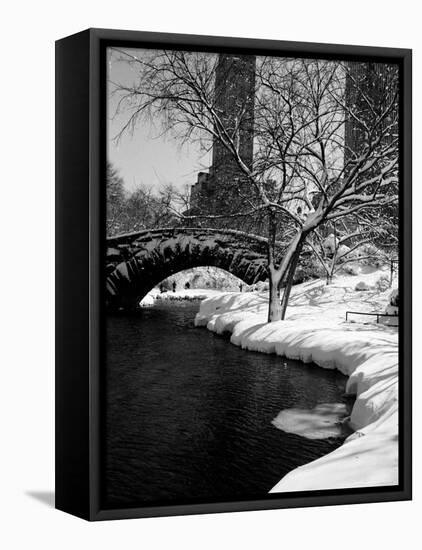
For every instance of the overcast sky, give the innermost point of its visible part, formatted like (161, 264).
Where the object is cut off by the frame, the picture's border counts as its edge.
(143, 158)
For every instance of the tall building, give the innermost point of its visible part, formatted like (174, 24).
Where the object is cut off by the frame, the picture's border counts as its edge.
(371, 94)
(217, 191)
(369, 91)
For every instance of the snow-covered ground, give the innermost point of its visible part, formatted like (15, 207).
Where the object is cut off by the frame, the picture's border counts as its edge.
(315, 331)
(185, 294)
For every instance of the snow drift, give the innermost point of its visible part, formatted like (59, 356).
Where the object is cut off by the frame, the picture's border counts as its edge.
(315, 331)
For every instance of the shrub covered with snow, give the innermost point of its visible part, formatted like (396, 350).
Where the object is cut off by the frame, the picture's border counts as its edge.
(342, 251)
(391, 310)
(350, 269)
(394, 298)
(362, 286)
(310, 268)
(260, 286)
(393, 306)
(369, 254)
(383, 282)
(330, 243)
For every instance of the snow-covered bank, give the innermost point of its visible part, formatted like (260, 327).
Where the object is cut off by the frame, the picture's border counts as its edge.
(315, 331)
(188, 294)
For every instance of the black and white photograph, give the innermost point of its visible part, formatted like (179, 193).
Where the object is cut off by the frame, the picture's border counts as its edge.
(210, 292)
(251, 274)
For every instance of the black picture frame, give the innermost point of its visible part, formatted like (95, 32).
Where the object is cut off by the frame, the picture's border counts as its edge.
(80, 167)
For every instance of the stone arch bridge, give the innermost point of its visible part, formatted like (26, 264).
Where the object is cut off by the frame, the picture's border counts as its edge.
(137, 262)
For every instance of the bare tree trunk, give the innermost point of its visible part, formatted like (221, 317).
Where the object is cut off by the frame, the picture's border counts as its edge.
(334, 259)
(274, 305)
(290, 277)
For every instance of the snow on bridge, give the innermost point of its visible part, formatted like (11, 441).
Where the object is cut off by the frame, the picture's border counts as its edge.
(136, 262)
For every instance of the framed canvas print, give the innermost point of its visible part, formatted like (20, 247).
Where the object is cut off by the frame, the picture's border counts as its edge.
(233, 274)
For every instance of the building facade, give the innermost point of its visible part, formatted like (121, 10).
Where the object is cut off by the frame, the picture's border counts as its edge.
(217, 192)
(368, 92)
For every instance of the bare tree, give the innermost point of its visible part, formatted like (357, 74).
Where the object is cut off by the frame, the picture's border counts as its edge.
(139, 209)
(302, 177)
(115, 201)
(345, 241)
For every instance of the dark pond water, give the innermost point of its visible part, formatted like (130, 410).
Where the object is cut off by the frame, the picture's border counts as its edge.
(189, 415)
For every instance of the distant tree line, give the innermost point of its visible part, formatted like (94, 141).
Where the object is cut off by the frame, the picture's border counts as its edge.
(140, 209)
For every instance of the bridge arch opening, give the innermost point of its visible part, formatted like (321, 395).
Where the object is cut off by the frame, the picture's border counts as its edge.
(195, 283)
(202, 278)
